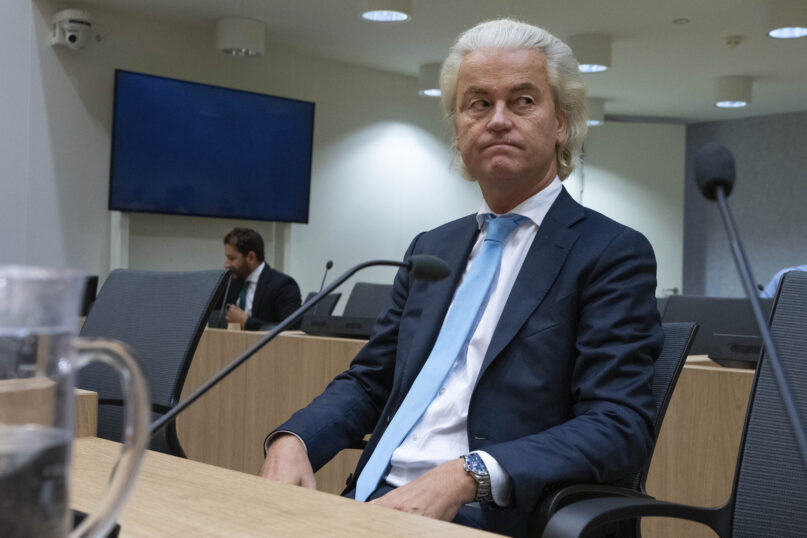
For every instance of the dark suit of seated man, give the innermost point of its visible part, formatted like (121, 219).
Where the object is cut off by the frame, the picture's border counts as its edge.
(552, 384)
(260, 296)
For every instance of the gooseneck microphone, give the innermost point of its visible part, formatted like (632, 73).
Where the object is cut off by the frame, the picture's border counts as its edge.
(420, 266)
(714, 174)
(229, 278)
(328, 266)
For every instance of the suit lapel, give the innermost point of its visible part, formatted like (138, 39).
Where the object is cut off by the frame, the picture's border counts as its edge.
(454, 249)
(544, 260)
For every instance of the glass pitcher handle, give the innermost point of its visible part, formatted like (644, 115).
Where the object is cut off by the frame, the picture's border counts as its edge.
(137, 413)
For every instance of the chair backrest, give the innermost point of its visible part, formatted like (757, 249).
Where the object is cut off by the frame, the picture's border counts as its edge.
(90, 291)
(678, 338)
(161, 316)
(325, 306)
(722, 315)
(366, 300)
(770, 487)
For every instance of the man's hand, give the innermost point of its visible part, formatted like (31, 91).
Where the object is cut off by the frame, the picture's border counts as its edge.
(287, 462)
(438, 493)
(236, 315)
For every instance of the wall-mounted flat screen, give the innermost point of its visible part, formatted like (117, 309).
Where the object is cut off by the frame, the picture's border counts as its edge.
(186, 148)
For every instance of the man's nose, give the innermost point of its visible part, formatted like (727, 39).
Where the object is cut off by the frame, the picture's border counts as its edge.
(500, 119)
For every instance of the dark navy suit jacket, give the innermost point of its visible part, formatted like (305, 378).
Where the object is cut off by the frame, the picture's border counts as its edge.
(564, 393)
(276, 296)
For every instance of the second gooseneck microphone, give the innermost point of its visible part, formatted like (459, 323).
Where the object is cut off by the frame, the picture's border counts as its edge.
(714, 174)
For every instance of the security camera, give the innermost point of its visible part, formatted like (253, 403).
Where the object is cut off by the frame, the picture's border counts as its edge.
(71, 28)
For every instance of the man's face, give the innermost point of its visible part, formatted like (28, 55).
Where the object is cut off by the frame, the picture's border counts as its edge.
(507, 127)
(236, 262)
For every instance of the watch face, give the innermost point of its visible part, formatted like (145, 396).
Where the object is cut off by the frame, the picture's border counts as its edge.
(474, 464)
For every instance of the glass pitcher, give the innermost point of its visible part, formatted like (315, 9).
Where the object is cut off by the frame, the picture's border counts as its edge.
(39, 357)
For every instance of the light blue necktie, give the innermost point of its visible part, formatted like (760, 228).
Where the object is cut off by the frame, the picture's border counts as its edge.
(460, 322)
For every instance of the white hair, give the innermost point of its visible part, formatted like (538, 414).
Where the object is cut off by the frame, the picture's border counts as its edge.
(568, 89)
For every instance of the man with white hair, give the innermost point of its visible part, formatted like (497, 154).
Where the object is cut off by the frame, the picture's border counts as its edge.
(531, 365)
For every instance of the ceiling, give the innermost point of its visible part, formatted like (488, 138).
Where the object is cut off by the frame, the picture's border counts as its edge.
(662, 70)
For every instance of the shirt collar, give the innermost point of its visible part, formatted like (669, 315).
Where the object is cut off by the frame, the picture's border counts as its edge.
(254, 275)
(534, 208)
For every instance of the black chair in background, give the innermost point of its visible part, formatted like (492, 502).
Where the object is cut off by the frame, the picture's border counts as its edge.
(366, 300)
(90, 290)
(661, 305)
(769, 496)
(325, 306)
(678, 338)
(714, 315)
(161, 316)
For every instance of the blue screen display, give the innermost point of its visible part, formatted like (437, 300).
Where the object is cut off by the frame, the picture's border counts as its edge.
(192, 149)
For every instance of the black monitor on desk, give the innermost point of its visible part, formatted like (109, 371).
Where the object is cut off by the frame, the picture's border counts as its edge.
(363, 306)
(727, 330)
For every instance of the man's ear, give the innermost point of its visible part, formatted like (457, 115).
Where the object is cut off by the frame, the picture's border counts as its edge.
(560, 128)
(252, 259)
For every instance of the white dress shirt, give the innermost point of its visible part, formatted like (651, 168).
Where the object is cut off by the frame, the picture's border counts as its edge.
(251, 283)
(441, 434)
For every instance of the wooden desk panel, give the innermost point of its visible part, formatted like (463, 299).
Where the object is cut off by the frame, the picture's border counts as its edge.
(697, 448)
(86, 413)
(178, 497)
(227, 426)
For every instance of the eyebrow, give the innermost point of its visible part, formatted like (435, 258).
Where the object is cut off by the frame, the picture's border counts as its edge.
(476, 90)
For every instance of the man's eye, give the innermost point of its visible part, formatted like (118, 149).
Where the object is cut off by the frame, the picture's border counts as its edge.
(526, 101)
(478, 105)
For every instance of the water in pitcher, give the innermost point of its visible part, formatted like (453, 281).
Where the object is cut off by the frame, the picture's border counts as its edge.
(34, 438)
(33, 481)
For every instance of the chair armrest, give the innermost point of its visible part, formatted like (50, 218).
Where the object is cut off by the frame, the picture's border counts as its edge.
(556, 500)
(578, 518)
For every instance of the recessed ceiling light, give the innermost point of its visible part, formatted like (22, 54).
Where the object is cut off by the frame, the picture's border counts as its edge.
(385, 10)
(429, 79)
(732, 91)
(786, 19)
(595, 106)
(240, 37)
(593, 52)
(792, 32)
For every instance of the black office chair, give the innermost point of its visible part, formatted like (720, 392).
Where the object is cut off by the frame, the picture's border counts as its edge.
(678, 338)
(714, 315)
(367, 300)
(161, 316)
(325, 306)
(769, 497)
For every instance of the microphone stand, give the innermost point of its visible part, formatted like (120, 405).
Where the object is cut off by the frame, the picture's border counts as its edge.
(161, 422)
(747, 279)
(224, 297)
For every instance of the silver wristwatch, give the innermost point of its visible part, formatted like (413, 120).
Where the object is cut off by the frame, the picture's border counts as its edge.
(475, 466)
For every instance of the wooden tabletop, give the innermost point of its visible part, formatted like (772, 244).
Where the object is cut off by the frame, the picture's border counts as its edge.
(179, 497)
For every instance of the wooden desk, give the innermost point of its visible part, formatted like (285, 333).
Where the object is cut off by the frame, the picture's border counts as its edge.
(693, 463)
(227, 426)
(697, 448)
(86, 413)
(178, 497)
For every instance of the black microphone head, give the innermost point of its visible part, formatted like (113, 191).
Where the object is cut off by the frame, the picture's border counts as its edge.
(427, 267)
(714, 167)
(329, 264)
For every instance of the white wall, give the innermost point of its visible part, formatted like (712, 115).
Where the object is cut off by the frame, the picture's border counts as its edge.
(15, 65)
(380, 167)
(634, 173)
